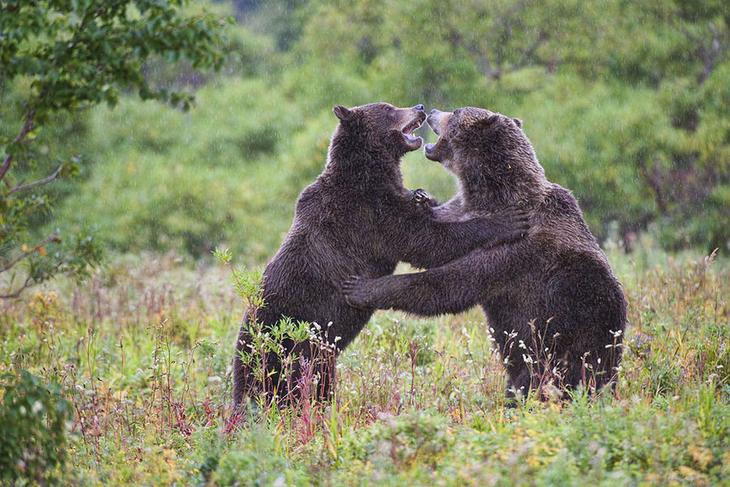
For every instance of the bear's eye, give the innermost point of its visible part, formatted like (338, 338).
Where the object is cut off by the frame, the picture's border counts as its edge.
(389, 109)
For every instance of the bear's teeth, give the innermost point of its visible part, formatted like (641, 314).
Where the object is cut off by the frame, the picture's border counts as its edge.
(408, 129)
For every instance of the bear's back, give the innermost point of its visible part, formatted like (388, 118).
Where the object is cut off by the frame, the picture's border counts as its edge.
(561, 270)
(559, 224)
(578, 280)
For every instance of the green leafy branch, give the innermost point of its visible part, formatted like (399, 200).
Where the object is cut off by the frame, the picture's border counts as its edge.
(65, 56)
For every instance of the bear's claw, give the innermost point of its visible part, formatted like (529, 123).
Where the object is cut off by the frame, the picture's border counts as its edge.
(422, 198)
(352, 290)
(518, 223)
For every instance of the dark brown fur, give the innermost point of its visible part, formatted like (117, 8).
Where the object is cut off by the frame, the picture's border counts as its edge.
(554, 289)
(356, 218)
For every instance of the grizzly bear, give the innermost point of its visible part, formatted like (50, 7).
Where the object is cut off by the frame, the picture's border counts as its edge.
(556, 310)
(356, 218)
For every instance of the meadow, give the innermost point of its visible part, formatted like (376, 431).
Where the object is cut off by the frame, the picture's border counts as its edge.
(141, 358)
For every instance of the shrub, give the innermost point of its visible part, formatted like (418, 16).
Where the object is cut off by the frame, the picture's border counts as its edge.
(256, 459)
(33, 419)
(191, 181)
(399, 442)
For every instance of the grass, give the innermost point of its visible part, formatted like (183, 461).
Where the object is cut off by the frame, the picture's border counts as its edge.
(142, 354)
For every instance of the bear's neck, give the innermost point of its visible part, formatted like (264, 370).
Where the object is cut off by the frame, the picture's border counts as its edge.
(482, 192)
(356, 164)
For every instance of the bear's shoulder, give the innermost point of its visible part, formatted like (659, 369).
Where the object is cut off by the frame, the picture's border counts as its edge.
(310, 194)
(563, 223)
(560, 201)
(310, 202)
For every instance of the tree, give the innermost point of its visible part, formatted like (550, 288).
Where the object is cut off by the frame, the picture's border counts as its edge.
(65, 56)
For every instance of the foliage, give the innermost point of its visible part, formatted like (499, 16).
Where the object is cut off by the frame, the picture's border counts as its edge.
(632, 95)
(254, 459)
(625, 105)
(59, 57)
(241, 158)
(82, 53)
(33, 419)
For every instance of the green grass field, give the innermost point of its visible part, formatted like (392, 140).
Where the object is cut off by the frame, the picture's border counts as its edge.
(142, 353)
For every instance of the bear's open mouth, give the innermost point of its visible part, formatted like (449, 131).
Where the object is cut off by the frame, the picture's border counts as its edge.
(413, 141)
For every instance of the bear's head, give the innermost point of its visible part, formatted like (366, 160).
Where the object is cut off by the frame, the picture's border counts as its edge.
(485, 149)
(381, 127)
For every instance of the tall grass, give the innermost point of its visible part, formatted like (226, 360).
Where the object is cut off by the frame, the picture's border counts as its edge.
(142, 353)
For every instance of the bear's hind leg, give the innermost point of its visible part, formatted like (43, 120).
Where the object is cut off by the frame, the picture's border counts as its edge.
(518, 385)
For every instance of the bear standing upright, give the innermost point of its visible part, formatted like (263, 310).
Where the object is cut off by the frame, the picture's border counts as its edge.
(555, 307)
(356, 218)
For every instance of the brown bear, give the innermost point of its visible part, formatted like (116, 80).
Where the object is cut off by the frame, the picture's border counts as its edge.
(356, 218)
(556, 310)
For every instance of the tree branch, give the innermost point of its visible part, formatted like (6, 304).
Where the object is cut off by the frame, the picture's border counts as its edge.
(40, 182)
(710, 55)
(652, 178)
(28, 283)
(10, 264)
(527, 54)
(27, 127)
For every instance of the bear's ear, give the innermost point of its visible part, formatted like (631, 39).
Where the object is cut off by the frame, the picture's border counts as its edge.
(517, 122)
(342, 113)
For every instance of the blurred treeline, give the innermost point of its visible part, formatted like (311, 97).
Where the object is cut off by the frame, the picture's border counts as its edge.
(626, 102)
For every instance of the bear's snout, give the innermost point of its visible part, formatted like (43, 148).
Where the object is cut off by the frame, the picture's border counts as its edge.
(434, 120)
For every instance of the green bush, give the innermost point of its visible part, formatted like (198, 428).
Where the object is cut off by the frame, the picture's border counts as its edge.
(189, 181)
(33, 419)
(256, 459)
(234, 123)
(590, 138)
(56, 59)
(406, 440)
